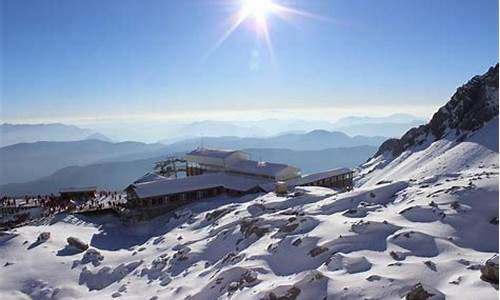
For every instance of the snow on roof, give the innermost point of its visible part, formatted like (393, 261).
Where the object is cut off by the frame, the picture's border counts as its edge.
(78, 189)
(258, 168)
(149, 177)
(194, 183)
(217, 153)
(318, 176)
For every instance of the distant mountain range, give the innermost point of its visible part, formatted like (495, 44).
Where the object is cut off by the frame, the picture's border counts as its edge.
(107, 176)
(47, 166)
(394, 118)
(116, 175)
(28, 161)
(170, 132)
(215, 128)
(311, 161)
(390, 126)
(314, 140)
(389, 129)
(11, 134)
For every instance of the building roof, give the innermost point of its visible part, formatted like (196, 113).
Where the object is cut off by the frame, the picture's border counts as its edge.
(194, 183)
(150, 176)
(78, 189)
(259, 168)
(318, 176)
(216, 153)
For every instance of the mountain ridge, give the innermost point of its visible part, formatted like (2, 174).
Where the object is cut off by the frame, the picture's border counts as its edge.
(27, 161)
(472, 105)
(11, 134)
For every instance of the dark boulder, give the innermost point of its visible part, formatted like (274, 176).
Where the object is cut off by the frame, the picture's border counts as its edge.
(489, 271)
(77, 243)
(418, 292)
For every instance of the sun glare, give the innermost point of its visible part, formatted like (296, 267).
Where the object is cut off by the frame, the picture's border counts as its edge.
(257, 8)
(258, 11)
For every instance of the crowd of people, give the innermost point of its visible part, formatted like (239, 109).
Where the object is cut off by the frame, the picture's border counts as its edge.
(103, 200)
(17, 210)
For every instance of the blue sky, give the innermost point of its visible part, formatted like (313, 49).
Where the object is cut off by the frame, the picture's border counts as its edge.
(74, 60)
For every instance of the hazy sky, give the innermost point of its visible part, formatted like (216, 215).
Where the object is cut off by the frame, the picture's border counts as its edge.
(84, 60)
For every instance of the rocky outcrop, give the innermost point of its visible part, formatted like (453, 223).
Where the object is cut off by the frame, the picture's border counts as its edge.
(291, 294)
(489, 271)
(418, 293)
(42, 237)
(473, 104)
(77, 243)
(249, 227)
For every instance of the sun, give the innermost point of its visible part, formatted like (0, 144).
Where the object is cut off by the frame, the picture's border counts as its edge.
(259, 11)
(257, 8)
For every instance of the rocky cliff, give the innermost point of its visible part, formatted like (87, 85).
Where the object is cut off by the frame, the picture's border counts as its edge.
(472, 105)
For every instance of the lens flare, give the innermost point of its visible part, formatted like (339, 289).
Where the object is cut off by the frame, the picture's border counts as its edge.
(259, 11)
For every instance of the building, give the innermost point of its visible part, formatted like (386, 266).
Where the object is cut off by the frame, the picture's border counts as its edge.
(273, 171)
(204, 160)
(80, 193)
(175, 192)
(336, 179)
(211, 172)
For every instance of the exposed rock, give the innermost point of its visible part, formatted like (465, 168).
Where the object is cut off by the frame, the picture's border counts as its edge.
(247, 279)
(474, 267)
(116, 295)
(473, 104)
(418, 293)
(392, 145)
(44, 236)
(249, 227)
(216, 214)
(291, 294)
(122, 288)
(397, 255)
(289, 227)
(77, 243)
(317, 251)
(431, 265)
(374, 278)
(455, 205)
(489, 271)
(456, 281)
(93, 256)
(182, 253)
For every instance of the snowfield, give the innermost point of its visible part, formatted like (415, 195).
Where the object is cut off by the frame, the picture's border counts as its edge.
(375, 242)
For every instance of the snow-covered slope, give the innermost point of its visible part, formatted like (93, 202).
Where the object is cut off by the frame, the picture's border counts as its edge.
(371, 243)
(462, 136)
(425, 213)
(441, 158)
